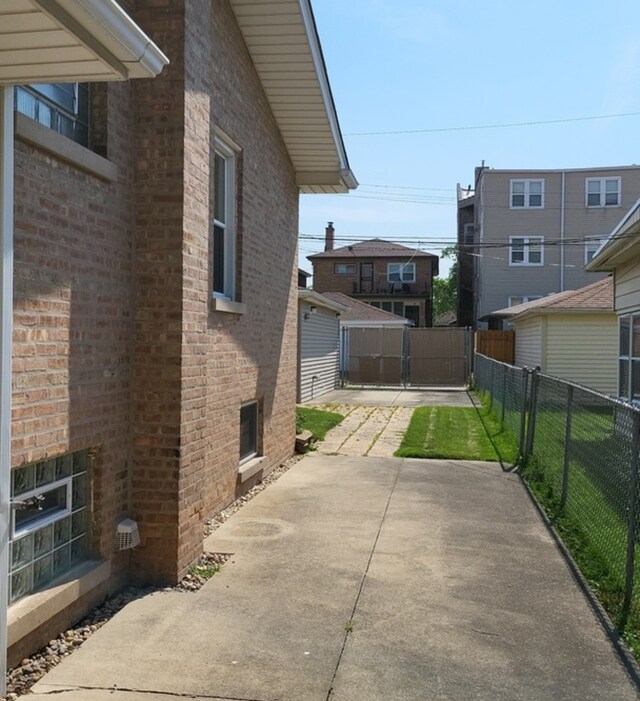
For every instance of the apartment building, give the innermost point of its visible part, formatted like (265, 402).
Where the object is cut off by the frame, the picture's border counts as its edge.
(534, 231)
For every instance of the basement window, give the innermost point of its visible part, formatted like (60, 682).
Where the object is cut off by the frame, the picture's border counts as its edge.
(248, 431)
(48, 521)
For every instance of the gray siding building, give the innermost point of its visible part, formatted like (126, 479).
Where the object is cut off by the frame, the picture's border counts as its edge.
(535, 230)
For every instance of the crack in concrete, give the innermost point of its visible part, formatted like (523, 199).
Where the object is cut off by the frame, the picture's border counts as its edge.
(362, 581)
(168, 694)
(382, 430)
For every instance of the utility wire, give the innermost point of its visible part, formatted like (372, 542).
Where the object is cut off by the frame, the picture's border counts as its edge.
(506, 125)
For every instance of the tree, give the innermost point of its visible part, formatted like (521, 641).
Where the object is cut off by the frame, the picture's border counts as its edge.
(445, 290)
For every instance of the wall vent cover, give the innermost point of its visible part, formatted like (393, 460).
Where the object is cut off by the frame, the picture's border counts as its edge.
(127, 534)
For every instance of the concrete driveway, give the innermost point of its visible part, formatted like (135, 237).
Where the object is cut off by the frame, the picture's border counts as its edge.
(394, 396)
(364, 579)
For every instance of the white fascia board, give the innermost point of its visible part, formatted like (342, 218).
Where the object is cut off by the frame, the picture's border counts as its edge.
(319, 300)
(347, 176)
(105, 28)
(355, 324)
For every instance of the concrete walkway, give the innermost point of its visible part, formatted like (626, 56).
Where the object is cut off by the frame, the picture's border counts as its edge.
(376, 419)
(364, 579)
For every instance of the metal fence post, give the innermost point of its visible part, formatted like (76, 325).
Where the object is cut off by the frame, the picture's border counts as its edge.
(491, 388)
(567, 448)
(533, 406)
(405, 356)
(504, 395)
(632, 525)
(523, 412)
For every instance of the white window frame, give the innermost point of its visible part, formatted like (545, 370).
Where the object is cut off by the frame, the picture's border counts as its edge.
(468, 234)
(527, 193)
(526, 249)
(589, 246)
(344, 265)
(524, 299)
(228, 151)
(602, 192)
(401, 268)
(38, 523)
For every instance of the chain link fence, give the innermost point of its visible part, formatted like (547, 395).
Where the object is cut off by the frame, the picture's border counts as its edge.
(579, 450)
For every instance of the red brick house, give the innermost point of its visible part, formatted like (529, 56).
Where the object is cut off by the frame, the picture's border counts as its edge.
(387, 275)
(155, 295)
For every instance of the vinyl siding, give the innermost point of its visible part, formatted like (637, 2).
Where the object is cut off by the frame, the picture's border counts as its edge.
(627, 287)
(583, 348)
(529, 342)
(319, 339)
(497, 222)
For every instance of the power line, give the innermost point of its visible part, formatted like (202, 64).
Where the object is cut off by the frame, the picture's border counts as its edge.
(506, 125)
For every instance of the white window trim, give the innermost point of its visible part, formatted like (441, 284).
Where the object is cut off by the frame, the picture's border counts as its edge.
(527, 193)
(525, 263)
(337, 272)
(602, 192)
(402, 267)
(45, 520)
(227, 150)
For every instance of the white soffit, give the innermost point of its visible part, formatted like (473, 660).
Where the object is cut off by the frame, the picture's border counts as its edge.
(51, 41)
(284, 46)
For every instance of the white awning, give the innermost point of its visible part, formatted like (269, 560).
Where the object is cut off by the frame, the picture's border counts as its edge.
(54, 41)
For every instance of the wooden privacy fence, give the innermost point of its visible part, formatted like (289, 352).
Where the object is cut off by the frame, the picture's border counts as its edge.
(416, 356)
(499, 345)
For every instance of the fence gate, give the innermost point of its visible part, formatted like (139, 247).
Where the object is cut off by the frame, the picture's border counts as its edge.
(415, 356)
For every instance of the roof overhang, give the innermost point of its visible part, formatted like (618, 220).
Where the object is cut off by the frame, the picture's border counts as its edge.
(622, 245)
(283, 42)
(50, 41)
(315, 298)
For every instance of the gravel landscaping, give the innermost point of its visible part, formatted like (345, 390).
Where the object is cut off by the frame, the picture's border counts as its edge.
(21, 678)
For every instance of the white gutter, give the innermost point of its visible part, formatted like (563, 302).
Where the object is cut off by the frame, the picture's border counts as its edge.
(106, 29)
(312, 297)
(562, 233)
(6, 326)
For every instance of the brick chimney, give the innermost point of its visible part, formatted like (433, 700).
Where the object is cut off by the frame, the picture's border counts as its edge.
(328, 236)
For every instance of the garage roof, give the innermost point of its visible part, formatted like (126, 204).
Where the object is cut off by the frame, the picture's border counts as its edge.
(67, 40)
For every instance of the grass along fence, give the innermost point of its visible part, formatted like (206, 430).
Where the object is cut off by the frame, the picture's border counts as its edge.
(579, 453)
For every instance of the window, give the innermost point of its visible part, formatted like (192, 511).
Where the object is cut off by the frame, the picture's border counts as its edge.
(526, 250)
(603, 192)
(63, 107)
(468, 234)
(527, 194)
(224, 221)
(591, 246)
(48, 520)
(248, 431)
(344, 269)
(401, 272)
(629, 357)
(514, 301)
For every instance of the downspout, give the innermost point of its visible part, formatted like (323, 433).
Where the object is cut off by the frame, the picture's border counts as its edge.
(6, 326)
(562, 233)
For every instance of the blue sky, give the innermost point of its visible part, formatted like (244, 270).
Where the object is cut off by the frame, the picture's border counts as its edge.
(430, 64)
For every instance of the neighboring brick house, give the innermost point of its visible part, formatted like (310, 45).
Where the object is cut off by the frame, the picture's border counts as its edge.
(156, 297)
(386, 275)
(534, 231)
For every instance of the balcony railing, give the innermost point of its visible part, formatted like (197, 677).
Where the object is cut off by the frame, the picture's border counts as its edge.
(392, 289)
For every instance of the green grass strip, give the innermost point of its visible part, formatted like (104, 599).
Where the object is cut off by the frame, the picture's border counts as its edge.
(456, 433)
(316, 421)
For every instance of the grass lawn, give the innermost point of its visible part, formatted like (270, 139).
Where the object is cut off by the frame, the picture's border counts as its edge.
(316, 421)
(456, 433)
